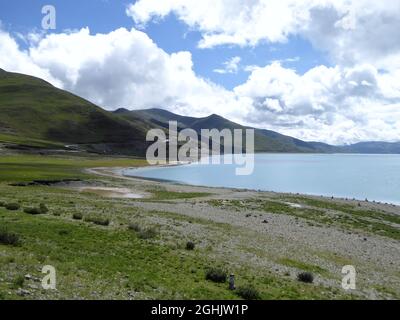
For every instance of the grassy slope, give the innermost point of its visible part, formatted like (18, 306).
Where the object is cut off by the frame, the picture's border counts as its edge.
(33, 109)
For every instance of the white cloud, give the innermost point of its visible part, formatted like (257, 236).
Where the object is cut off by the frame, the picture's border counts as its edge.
(230, 66)
(125, 68)
(331, 104)
(351, 31)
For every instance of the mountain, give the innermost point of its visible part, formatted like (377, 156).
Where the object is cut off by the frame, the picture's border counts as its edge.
(35, 114)
(373, 147)
(265, 140)
(33, 110)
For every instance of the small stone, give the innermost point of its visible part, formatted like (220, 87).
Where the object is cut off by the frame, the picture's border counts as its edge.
(22, 292)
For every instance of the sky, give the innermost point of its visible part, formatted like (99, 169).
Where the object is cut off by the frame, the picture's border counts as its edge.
(318, 70)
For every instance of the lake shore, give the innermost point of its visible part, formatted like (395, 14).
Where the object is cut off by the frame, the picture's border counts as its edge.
(101, 223)
(318, 231)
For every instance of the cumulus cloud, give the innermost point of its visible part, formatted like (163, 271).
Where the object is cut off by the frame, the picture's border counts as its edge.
(351, 31)
(334, 104)
(356, 99)
(125, 68)
(230, 66)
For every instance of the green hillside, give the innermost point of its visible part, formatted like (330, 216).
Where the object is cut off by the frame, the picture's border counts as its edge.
(34, 110)
(35, 114)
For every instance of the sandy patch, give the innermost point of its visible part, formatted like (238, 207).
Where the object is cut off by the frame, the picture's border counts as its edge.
(121, 193)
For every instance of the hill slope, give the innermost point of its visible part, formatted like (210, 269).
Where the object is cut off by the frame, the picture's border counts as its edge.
(37, 114)
(31, 107)
(265, 140)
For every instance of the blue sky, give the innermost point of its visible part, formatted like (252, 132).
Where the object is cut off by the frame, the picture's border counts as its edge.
(320, 71)
(170, 34)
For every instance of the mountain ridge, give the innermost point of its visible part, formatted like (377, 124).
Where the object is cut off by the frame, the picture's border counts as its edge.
(35, 113)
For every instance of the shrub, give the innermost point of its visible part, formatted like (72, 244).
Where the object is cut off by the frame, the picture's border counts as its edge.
(63, 232)
(43, 208)
(13, 206)
(33, 211)
(143, 233)
(8, 238)
(147, 233)
(18, 281)
(190, 245)
(216, 275)
(306, 277)
(77, 216)
(248, 293)
(134, 227)
(98, 220)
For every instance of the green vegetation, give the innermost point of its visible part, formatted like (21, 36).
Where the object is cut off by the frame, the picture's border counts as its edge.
(302, 266)
(57, 117)
(101, 221)
(18, 282)
(143, 232)
(190, 245)
(32, 210)
(141, 254)
(322, 212)
(159, 194)
(216, 275)
(42, 209)
(248, 292)
(147, 233)
(77, 216)
(13, 206)
(8, 238)
(26, 168)
(306, 277)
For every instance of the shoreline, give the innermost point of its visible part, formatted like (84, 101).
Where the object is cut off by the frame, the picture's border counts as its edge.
(117, 172)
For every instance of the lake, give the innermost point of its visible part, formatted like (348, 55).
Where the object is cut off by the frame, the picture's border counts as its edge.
(375, 177)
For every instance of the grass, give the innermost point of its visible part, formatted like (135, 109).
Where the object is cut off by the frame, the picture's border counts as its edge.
(143, 232)
(101, 221)
(170, 195)
(94, 262)
(302, 266)
(22, 168)
(323, 212)
(56, 116)
(42, 209)
(114, 261)
(18, 282)
(29, 142)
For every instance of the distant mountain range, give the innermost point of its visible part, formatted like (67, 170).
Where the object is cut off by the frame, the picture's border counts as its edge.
(265, 140)
(35, 114)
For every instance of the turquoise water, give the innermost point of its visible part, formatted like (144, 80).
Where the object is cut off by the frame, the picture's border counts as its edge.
(376, 177)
